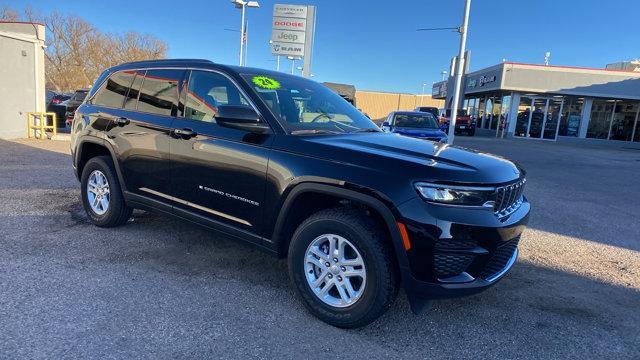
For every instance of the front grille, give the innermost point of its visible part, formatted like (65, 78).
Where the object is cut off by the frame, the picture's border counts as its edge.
(499, 259)
(508, 198)
(451, 264)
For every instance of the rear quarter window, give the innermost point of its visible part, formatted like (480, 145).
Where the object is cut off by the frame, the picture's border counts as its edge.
(113, 92)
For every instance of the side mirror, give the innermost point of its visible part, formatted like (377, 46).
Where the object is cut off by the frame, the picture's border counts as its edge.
(241, 118)
(385, 126)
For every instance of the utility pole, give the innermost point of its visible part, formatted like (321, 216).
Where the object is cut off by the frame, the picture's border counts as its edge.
(458, 75)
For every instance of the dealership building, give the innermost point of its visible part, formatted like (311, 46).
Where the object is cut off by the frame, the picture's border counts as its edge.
(552, 102)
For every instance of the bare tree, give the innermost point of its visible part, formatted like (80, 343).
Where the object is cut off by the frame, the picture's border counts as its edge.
(77, 52)
(7, 14)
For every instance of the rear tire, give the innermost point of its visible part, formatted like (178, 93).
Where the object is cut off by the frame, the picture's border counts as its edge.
(101, 193)
(373, 290)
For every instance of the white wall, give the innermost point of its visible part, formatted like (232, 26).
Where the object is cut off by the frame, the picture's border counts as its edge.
(22, 80)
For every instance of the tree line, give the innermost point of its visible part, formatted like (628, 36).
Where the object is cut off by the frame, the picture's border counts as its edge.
(77, 52)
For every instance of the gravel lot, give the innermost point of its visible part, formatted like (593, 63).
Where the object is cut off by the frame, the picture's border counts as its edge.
(163, 288)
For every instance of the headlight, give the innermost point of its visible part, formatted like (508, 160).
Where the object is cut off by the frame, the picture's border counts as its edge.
(456, 195)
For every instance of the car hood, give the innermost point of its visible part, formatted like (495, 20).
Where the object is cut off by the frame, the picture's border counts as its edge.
(419, 132)
(418, 159)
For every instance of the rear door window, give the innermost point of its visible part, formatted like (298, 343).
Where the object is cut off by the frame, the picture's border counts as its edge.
(113, 92)
(159, 93)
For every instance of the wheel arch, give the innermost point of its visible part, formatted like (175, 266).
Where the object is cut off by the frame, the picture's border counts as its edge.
(284, 227)
(91, 147)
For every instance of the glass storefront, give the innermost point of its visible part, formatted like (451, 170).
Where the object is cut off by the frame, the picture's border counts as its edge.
(543, 116)
(600, 120)
(554, 108)
(624, 118)
(571, 116)
(539, 117)
(613, 120)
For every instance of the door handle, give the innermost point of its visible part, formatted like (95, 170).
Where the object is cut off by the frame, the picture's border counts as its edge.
(184, 133)
(122, 121)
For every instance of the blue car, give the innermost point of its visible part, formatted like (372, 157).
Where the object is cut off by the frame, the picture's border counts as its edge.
(414, 124)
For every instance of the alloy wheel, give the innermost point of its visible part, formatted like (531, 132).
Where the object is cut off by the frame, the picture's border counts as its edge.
(335, 270)
(98, 192)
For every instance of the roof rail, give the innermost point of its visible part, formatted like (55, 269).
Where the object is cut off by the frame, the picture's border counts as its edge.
(169, 61)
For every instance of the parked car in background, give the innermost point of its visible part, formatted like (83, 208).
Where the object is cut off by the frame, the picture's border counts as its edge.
(429, 109)
(73, 103)
(49, 96)
(421, 125)
(464, 123)
(58, 105)
(286, 164)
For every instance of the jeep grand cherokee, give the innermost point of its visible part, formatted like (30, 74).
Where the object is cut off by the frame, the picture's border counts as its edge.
(286, 164)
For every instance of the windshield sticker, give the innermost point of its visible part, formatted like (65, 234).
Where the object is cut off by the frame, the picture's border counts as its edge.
(266, 82)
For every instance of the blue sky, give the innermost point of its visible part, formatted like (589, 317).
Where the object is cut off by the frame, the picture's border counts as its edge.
(374, 44)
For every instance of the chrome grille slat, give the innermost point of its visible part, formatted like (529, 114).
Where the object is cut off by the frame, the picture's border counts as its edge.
(508, 198)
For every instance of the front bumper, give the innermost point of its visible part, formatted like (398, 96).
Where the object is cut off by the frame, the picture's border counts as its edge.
(458, 251)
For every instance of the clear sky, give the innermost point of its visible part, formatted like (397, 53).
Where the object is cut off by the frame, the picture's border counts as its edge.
(374, 44)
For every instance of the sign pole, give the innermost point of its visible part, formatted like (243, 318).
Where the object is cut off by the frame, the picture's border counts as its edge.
(458, 77)
(292, 32)
(308, 46)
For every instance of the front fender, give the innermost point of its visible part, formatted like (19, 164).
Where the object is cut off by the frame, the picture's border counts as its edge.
(378, 205)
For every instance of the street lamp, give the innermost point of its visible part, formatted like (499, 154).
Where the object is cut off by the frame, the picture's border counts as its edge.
(458, 77)
(444, 74)
(462, 30)
(422, 95)
(293, 62)
(241, 4)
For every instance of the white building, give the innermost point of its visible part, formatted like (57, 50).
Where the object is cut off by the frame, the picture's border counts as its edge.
(561, 103)
(22, 82)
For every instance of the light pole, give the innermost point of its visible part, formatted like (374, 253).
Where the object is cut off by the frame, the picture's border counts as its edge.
(458, 77)
(422, 94)
(444, 74)
(277, 57)
(293, 63)
(241, 4)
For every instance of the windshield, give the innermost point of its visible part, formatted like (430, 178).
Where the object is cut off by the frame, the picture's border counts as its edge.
(422, 121)
(305, 106)
(80, 95)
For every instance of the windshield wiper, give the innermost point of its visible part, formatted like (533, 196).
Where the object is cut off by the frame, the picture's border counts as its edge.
(366, 130)
(314, 131)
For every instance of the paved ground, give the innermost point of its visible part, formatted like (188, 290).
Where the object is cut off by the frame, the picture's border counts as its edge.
(162, 288)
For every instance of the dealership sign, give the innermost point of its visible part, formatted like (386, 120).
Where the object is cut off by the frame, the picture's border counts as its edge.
(292, 29)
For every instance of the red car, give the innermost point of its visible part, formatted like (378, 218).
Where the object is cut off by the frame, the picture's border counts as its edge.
(464, 123)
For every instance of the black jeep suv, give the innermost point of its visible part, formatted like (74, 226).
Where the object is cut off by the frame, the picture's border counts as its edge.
(286, 164)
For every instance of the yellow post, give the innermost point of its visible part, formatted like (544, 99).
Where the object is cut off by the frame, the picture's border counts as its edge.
(42, 125)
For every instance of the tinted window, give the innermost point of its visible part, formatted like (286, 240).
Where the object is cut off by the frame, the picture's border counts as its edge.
(423, 121)
(159, 94)
(131, 100)
(113, 92)
(208, 90)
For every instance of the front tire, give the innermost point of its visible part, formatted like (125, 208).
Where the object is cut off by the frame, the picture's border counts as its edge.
(101, 193)
(361, 279)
